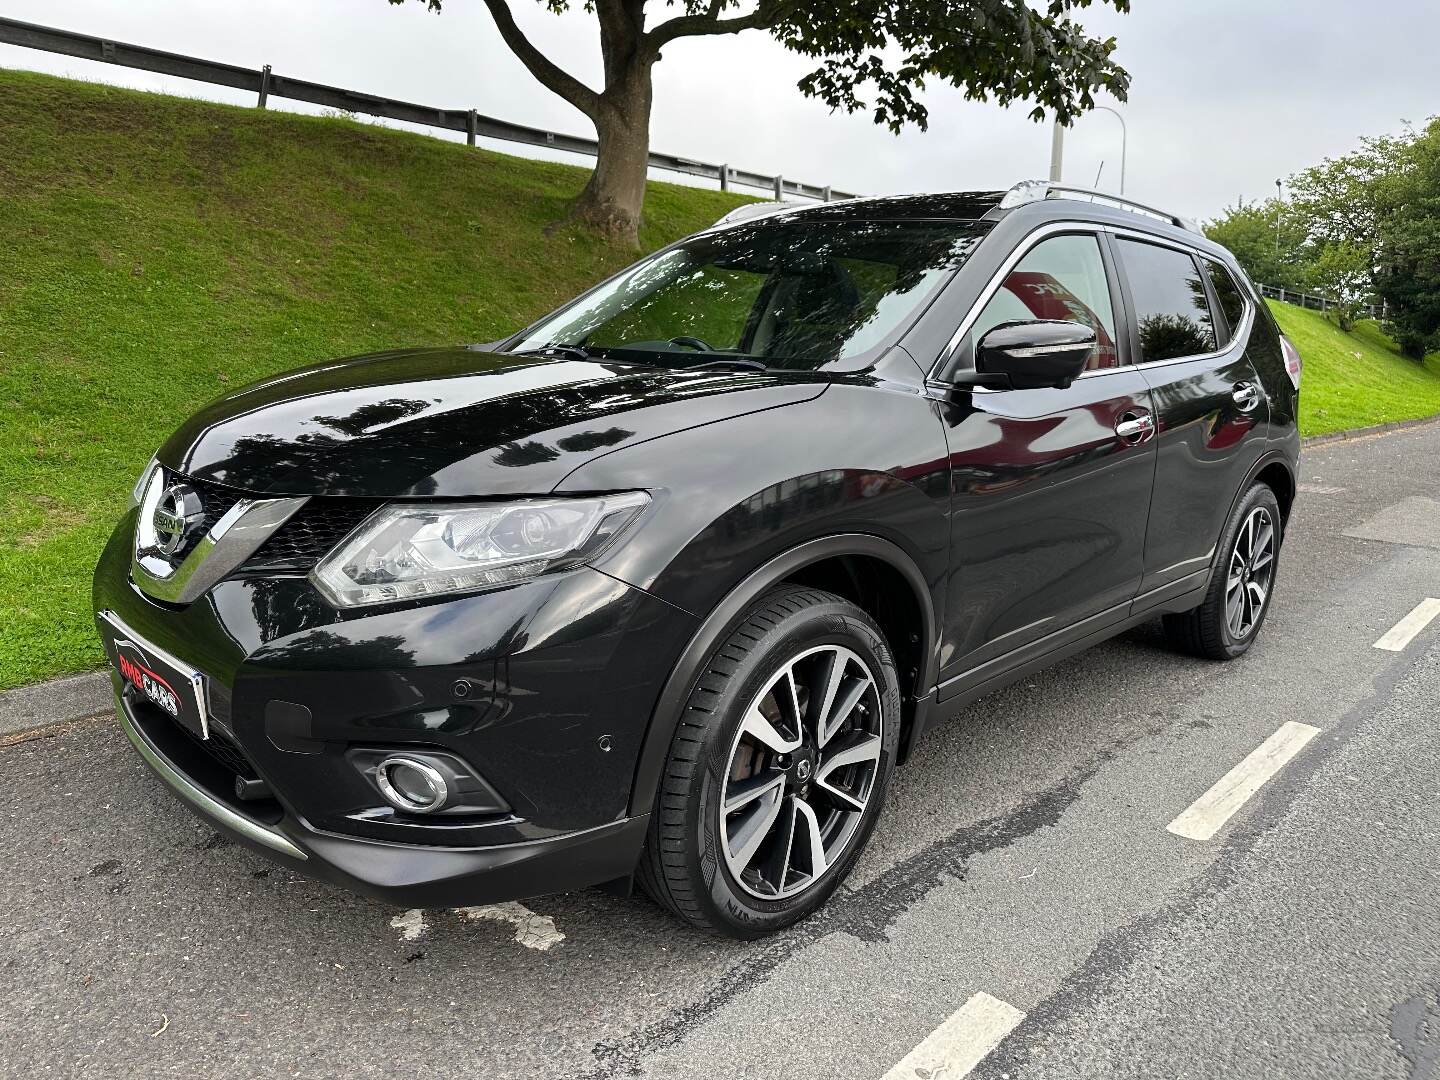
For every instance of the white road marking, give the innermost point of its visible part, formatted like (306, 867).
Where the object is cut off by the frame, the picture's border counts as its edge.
(1319, 489)
(531, 930)
(1207, 814)
(961, 1042)
(411, 924)
(1403, 632)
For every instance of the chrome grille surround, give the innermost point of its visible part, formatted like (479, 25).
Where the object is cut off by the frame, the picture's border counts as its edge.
(246, 525)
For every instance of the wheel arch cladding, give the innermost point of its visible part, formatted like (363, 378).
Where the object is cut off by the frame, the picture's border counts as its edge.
(858, 564)
(1277, 476)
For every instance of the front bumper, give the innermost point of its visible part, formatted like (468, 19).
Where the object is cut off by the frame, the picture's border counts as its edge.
(408, 875)
(560, 675)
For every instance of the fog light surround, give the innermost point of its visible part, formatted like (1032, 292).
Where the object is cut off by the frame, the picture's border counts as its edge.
(411, 785)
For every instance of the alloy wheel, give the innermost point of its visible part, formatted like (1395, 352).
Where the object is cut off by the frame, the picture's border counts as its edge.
(801, 771)
(1251, 572)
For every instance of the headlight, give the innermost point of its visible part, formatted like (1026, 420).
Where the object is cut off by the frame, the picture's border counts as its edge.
(138, 492)
(408, 550)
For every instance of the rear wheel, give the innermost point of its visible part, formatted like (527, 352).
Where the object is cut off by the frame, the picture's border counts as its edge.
(778, 769)
(1243, 579)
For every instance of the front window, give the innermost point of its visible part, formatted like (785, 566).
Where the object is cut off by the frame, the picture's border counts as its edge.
(783, 294)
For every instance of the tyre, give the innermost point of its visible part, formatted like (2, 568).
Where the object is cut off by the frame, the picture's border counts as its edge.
(1227, 621)
(778, 768)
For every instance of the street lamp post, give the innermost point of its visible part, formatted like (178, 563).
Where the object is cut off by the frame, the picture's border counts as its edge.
(1279, 197)
(1124, 142)
(1057, 147)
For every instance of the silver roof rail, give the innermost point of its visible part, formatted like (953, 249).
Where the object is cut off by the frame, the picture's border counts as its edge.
(1028, 191)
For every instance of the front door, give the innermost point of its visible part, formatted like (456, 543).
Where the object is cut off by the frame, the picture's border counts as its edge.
(1192, 327)
(1050, 488)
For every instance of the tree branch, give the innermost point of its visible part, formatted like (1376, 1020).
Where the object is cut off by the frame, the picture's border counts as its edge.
(764, 17)
(550, 75)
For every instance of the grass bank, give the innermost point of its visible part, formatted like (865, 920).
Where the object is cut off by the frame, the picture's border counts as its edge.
(159, 249)
(1357, 379)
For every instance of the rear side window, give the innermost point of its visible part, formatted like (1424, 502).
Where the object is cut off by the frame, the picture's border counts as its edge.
(1232, 301)
(1059, 278)
(1172, 312)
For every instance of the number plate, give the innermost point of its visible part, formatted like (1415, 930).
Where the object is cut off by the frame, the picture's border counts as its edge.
(172, 686)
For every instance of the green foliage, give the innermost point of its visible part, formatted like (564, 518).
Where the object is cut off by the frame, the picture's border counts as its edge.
(1357, 379)
(159, 250)
(1268, 239)
(877, 54)
(1342, 273)
(1409, 276)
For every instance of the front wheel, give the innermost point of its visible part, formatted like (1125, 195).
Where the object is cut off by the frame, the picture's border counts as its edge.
(1242, 581)
(778, 769)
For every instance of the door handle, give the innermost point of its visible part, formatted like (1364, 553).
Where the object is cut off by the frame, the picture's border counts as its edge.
(1245, 395)
(1135, 427)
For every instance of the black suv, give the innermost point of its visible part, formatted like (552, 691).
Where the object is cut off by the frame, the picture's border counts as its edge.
(665, 586)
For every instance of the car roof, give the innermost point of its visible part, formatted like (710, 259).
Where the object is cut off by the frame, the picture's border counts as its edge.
(1036, 200)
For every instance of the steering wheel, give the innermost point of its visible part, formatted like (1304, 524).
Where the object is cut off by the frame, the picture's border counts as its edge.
(693, 343)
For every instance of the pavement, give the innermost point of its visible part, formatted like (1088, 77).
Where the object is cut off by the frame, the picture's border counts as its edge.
(1022, 910)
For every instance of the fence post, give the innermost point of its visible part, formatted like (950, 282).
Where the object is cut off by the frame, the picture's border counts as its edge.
(724, 177)
(825, 193)
(264, 86)
(472, 125)
(779, 189)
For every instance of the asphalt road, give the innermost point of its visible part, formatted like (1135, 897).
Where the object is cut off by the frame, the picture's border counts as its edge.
(1024, 857)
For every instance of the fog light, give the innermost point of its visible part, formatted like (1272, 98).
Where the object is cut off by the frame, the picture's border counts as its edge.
(411, 785)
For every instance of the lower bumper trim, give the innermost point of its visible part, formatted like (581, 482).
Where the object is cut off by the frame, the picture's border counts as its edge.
(199, 799)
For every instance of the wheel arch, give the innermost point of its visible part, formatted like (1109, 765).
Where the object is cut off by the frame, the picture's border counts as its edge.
(861, 568)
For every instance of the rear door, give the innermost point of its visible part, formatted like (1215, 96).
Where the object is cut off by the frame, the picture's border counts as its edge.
(1208, 404)
(1049, 499)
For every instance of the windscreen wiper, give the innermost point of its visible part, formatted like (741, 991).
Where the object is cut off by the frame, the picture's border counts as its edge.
(742, 362)
(575, 352)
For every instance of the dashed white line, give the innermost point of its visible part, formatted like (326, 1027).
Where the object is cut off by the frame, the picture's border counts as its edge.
(1403, 632)
(961, 1042)
(1205, 816)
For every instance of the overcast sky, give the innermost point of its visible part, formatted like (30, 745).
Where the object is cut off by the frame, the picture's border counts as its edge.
(1227, 95)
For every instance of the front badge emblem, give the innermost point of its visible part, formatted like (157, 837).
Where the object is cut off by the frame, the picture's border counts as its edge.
(177, 515)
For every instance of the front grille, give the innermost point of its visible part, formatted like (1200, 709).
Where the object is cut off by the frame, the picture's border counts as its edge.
(223, 751)
(306, 538)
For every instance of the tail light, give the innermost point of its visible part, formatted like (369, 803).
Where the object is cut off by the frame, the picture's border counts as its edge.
(1292, 360)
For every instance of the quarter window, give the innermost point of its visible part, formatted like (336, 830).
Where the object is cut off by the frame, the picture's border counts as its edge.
(1059, 278)
(1232, 301)
(1172, 312)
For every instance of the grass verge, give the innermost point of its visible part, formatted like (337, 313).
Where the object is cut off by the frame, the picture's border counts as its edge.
(1357, 379)
(158, 250)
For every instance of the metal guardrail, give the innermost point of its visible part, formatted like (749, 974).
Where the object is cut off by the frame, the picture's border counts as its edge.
(265, 84)
(1311, 301)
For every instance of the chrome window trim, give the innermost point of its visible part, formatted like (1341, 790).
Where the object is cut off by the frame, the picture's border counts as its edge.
(1029, 242)
(1033, 239)
(202, 800)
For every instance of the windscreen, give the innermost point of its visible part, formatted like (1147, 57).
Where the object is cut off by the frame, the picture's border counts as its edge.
(783, 294)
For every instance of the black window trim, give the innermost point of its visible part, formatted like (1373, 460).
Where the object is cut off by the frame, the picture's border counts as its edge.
(1246, 320)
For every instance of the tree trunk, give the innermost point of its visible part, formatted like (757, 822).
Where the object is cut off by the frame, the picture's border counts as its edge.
(613, 198)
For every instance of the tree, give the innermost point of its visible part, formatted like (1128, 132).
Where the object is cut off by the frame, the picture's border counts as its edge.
(870, 54)
(1409, 276)
(1342, 272)
(1268, 238)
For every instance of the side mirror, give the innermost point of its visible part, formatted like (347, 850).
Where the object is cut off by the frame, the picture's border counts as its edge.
(1031, 355)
